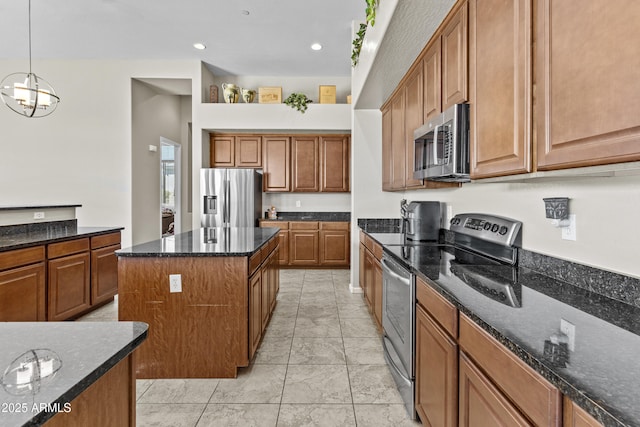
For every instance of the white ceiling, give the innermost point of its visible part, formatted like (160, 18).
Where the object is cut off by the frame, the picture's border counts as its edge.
(273, 40)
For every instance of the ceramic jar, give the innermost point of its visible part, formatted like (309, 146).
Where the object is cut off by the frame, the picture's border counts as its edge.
(230, 93)
(248, 95)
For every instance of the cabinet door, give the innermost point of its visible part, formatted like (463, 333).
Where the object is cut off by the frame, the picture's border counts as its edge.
(334, 163)
(255, 312)
(104, 274)
(436, 373)
(588, 82)
(387, 159)
(369, 295)
(432, 80)
(223, 151)
(23, 294)
(248, 151)
(276, 163)
(69, 286)
(334, 248)
(376, 276)
(454, 59)
(575, 416)
(414, 118)
(303, 248)
(500, 87)
(398, 144)
(305, 164)
(274, 280)
(283, 247)
(265, 302)
(362, 251)
(481, 403)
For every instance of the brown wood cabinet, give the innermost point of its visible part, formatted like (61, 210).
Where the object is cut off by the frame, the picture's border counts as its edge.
(481, 403)
(387, 152)
(229, 151)
(436, 358)
(371, 276)
(455, 70)
(283, 239)
(334, 244)
(432, 85)
(588, 91)
(276, 160)
(303, 243)
(413, 116)
(23, 285)
(398, 143)
(500, 87)
(334, 163)
(255, 312)
(104, 267)
(575, 416)
(69, 279)
(305, 164)
(263, 290)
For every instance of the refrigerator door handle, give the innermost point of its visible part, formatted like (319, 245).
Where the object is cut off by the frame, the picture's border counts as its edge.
(226, 215)
(210, 204)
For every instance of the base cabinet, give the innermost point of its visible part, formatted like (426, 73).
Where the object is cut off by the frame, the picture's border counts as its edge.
(574, 416)
(481, 403)
(23, 294)
(69, 286)
(371, 276)
(334, 244)
(255, 310)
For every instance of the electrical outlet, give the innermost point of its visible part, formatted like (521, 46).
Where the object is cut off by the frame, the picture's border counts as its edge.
(569, 233)
(298, 203)
(38, 215)
(569, 330)
(175, 283)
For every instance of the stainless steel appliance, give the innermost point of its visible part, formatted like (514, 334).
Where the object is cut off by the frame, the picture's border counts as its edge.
(230, 197)
(421, 221)
(483, 257)
(442, 146)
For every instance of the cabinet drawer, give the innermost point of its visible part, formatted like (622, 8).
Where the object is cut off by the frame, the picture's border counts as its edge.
(439, 308)
(56, 250)
(282, 225)
(105, 240)
(334, 226)
(255, 261)
(376, 249)
(303, 225)
(368, 242)
(273, 243)
(538, 399)
(19, 257)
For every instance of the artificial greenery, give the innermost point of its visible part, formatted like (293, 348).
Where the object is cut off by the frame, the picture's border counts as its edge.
(298, 101)
(370, 12)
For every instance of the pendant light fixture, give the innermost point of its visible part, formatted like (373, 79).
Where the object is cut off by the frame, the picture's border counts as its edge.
(26, 93)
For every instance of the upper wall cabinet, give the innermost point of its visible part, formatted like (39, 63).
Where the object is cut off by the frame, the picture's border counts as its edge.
(587, 81)
(276, 155)
(334, 163)
(305, 163)
(500, 87)
(240, 151)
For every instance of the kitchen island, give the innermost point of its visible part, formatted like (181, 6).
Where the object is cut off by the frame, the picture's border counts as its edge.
(85, 375)
(207, 296)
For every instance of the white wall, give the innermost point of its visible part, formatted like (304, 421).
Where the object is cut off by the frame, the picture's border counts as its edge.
(309, 202)
(82, 152)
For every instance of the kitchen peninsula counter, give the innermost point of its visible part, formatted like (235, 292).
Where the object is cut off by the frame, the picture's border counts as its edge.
(94, 384)
(196, 291)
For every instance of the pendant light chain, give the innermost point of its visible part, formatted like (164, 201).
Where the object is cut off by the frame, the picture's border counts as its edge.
(30, 37)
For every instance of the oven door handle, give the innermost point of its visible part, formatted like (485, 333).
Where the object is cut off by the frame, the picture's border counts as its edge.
(389, 269)
(387, 355)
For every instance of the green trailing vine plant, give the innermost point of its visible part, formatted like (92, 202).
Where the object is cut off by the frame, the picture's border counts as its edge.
(370, 13)
(298, 101)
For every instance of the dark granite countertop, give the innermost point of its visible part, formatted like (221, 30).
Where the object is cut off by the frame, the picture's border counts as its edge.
(86, 351)
(215, 241)
(17, 208)
(311, 216)
(602, 375)
(45, 236)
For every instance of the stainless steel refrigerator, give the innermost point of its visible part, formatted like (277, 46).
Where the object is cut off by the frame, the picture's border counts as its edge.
(230, 197)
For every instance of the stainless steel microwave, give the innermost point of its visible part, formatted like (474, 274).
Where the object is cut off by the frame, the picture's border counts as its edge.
(442, 147)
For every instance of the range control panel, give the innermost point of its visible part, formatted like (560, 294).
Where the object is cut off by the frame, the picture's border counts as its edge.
(496, 229)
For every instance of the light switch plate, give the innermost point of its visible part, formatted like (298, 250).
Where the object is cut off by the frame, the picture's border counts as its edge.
(175, 283)
(569, 233)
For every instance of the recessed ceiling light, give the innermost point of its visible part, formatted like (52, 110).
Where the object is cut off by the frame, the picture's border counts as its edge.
(244, 12)
(199, 46)
(316, 46)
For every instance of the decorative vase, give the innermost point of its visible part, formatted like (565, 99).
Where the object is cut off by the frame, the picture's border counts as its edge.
(230, 93)
(248, 95)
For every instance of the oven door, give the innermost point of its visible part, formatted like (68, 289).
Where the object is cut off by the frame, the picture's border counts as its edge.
(398, 322)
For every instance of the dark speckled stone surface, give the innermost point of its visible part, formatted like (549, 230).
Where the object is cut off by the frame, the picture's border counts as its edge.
(218, 241)
(313, 216)
(602, 375)
(87, 351)
(380, 225)
(45, 236)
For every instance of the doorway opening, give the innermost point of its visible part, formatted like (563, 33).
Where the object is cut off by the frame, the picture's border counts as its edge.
(170, 186)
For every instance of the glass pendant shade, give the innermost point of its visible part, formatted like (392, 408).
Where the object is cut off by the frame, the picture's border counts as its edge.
(28, 95)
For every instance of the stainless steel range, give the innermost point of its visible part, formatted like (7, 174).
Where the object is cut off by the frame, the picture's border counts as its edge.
(482, 256)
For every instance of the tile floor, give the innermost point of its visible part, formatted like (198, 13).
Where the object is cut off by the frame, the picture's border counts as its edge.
(320, 363)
